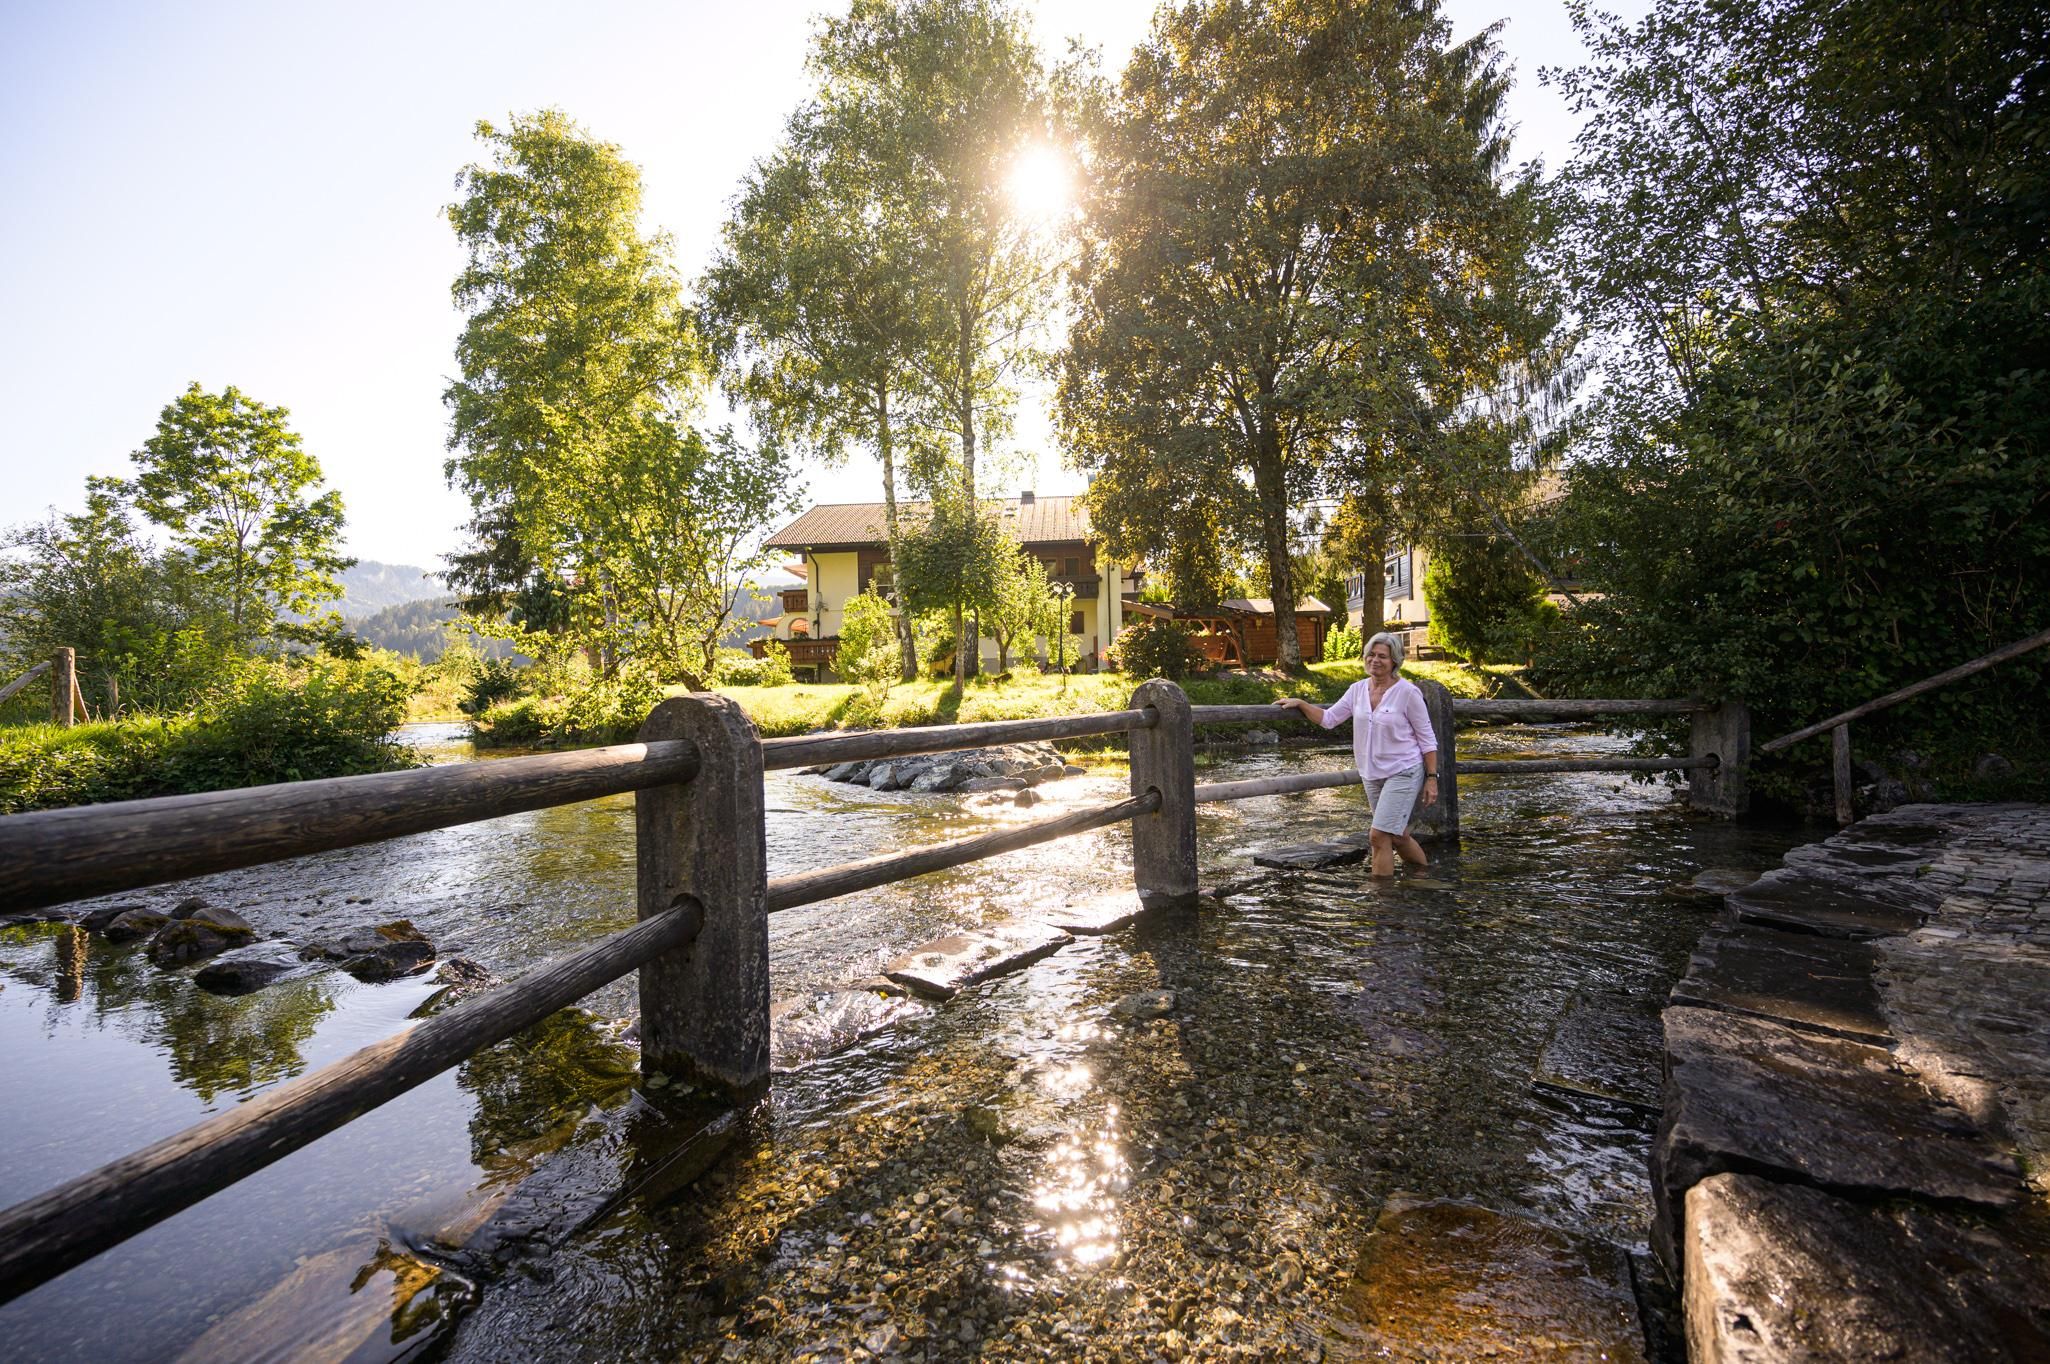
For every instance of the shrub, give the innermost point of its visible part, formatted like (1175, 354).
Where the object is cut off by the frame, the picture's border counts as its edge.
(867, 655)
(493, 684)
(1486, 603)
(607, 711)
(1343, 644)
(1155, 647)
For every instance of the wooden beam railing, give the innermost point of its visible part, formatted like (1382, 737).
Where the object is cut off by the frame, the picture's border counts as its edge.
(7, 692)
(701, 946)
(1839, 726)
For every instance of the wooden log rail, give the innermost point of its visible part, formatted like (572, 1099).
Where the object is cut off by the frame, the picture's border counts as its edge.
(1839, 726)
(700, 947)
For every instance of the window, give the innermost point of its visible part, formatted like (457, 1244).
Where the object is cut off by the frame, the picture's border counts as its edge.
(1068, 566)
(1397, 569)
(1075, 620)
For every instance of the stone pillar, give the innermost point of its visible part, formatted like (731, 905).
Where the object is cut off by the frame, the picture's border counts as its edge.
(705, 1006)
(63, 687)
(1439, 822)
(1164, 759)
(1725, 733)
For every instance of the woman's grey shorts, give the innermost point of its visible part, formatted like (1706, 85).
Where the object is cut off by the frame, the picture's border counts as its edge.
(1394, 799)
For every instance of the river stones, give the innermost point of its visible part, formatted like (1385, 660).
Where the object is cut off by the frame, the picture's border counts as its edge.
(385, 952)
(1339, 852)
(1804, 979)
(205, 932)
(245, 970)
(135, 923)
(1783, 1272)
(1451, 1281)
(1009, 768)
(98, 919)
(1145, 1005)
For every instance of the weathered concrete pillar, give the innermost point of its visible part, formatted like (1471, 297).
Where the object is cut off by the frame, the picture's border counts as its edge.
(705, 1006)
(63, 687)
(1441, 821)
(1725, 733)
(1164, 759)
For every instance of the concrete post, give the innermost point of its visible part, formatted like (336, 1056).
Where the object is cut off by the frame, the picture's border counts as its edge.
(1164, 759)
(1439, 822)
(1725, 733)
(705, 1006)
(63, 687)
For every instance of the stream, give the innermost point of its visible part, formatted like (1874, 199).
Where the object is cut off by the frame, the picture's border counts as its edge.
(1015, 1173)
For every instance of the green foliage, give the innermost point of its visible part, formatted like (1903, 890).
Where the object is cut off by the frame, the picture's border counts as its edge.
(1343, 644)
(868, 654)
(740, 668)
(229, 479)
(1262, 317)
(1817, 472)
(1155, 647)
(1486, 603)
(494, 683)
(952, 564)
(271, 721)
(594, 497)
(602, 711)
(1023, 606)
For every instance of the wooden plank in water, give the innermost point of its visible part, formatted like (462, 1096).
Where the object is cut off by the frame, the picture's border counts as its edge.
(946, 966)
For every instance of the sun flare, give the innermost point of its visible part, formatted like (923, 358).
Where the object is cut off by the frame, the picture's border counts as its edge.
(1041, 184)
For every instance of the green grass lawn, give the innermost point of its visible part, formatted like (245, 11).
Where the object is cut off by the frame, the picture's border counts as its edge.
(804, 707)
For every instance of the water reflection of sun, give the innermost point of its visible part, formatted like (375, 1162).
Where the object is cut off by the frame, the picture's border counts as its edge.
(1077, 1193)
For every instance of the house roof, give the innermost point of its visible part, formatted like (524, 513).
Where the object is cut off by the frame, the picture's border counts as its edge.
(855, 525)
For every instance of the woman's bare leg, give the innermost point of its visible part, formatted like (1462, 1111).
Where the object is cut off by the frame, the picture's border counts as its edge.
(1384, 853)
(1412, 851)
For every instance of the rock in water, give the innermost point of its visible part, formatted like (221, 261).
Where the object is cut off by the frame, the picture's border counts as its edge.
(134, 923)
(944, 776)
(1144, 1005)
(204, 932)
(97, 920)
(385, 952)
(245, 970)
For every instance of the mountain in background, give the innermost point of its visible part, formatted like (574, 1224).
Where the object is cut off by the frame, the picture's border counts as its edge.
(370, 586)
(415, 628)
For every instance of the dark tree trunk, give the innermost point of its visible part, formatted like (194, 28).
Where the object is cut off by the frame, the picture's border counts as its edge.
(1270, 484)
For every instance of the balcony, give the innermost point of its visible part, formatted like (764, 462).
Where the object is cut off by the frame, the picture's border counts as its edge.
(796, 601)
(1086, 585)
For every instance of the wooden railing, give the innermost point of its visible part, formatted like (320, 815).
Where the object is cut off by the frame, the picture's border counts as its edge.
(703, 892)
(1839, 726)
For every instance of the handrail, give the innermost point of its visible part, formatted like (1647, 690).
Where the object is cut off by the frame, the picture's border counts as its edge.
(809, 887)
(7, 692)
(48, 857)
(1478, 708)
(807, 750)
(1252, 787)
(45, 1235)
(1894, 698)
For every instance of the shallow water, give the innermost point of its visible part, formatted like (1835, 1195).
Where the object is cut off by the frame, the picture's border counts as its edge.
(978, 1175)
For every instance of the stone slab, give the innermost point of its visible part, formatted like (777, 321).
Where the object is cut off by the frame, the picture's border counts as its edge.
(1338, 852)
(1442, 1280)
(808, 1027)
(1098, 914)
(368, 1302)
(1808, 899)
(1752, 1095)
(1802, 979)
(1779, 1272)
(944, 967)
(1605, 1048)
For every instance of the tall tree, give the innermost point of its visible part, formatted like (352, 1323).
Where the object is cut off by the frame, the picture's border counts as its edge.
(230, 480)
(1304, 265)
(951, 562)
(571, 422)
(1022, 605)
(816, 307)
(943, 99)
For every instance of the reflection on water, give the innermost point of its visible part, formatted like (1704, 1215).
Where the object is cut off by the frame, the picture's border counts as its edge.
(1013, 1166)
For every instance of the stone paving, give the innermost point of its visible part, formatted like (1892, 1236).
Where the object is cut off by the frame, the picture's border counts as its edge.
(1854, 1151)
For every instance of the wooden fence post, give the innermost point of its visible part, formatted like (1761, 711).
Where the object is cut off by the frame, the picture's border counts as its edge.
(705, 1006)
(1440, 821)
(1164, 759)
(63, 687)
(1840, 773)
(113, 697)
(1723, 733)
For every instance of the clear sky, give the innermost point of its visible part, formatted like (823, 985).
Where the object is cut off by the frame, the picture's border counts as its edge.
(251, 193)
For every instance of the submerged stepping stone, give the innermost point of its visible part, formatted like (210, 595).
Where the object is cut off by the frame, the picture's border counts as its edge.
(1752, 1095)
(1339, 852)
(1811, 899)
(1803, 979)
(1604, 1049)
(944, 967)
(358, 1301)
(809, 1027)
(1782, 1272)
(1450, 1281)
(1713, 883)
(1098, 914)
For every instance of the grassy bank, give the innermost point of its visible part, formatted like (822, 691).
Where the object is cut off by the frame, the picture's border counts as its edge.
(804, 708)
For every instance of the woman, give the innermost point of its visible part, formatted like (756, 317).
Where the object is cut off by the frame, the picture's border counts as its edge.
(1393, 746)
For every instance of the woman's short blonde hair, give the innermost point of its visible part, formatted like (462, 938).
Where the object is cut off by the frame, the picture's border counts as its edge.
(1394, 643)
